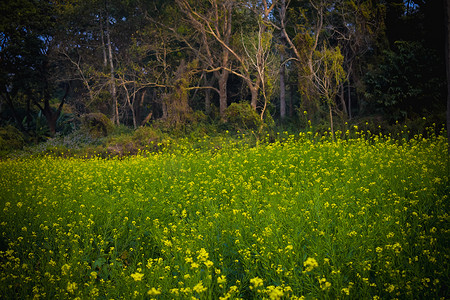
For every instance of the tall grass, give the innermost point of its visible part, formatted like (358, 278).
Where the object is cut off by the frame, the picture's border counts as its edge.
(304, 217)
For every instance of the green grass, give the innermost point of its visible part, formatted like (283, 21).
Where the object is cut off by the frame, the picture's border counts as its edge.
(359, 218)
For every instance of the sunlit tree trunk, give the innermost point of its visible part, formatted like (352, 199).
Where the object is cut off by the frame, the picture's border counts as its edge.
(282, 89)
(115, 105)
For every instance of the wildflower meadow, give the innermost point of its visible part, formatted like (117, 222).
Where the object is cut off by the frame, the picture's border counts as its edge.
(305, 217)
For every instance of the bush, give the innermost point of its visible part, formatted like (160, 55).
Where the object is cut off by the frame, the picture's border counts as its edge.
(241, 116)
(96, 124)
(11, 138)
(145, 135)
(122, 146)
(144, 138)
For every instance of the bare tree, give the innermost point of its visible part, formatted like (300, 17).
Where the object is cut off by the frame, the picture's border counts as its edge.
(115, 104)
(258, 58)
(214, 26)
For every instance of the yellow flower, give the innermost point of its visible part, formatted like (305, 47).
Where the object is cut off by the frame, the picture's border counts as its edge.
(289, 248)
(71, 287)
(153, 292)
(324, 284)
(310, 264)
(222, 279)
(256, 282)
(390, 288)
(275, 293)
(202, 255)
(137, 276)
(208, 263)
(199, 288)
(94, 275)
(65, 269)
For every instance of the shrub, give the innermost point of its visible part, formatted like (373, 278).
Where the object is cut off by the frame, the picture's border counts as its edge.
(11, 138)
(145, 135)
(122, 146)
(96, 124)
(144, 138)
(241, 116)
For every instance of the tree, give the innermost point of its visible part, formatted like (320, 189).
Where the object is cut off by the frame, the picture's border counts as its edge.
(257, 45)
(282, 15)
(327, 76)
(213, 21)
(447, 63)
(25, 57)
(82, 43)
(258, 59)
(95, 38)
(355, 25)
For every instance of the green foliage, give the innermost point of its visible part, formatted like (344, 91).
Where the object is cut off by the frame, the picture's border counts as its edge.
(143, 139)
(10, 139)
(241, 116)
(405, 82)
(96, 124)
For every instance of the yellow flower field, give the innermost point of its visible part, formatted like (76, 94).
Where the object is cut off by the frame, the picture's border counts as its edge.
(301, 218)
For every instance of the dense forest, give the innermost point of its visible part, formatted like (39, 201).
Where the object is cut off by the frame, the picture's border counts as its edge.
(175, 63)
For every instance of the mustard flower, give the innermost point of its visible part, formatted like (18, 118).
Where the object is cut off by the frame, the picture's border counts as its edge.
(199, 288)
(222, 279)
(153, 292)
(71, 287)
(275, 292)
(310, 264)
(137, 276)
(65, 269)
(256, 282)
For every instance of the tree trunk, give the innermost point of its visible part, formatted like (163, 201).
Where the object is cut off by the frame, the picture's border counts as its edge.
(254, 90)
(331, 120)
(282, 89)
(50, 115)
(207, 101)
(447, 62)
(342, 98)
(291, 100)
(115, 105)
(349, 100)
(140, 105)
(130, 105)
(282, 11)
(208, 94)
(223, 99)
(254, 93)
(102, 34)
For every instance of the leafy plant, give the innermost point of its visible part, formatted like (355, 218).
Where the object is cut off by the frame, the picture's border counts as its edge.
(96, 124)
(241, 116)
(10, 139)
(405, 82)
